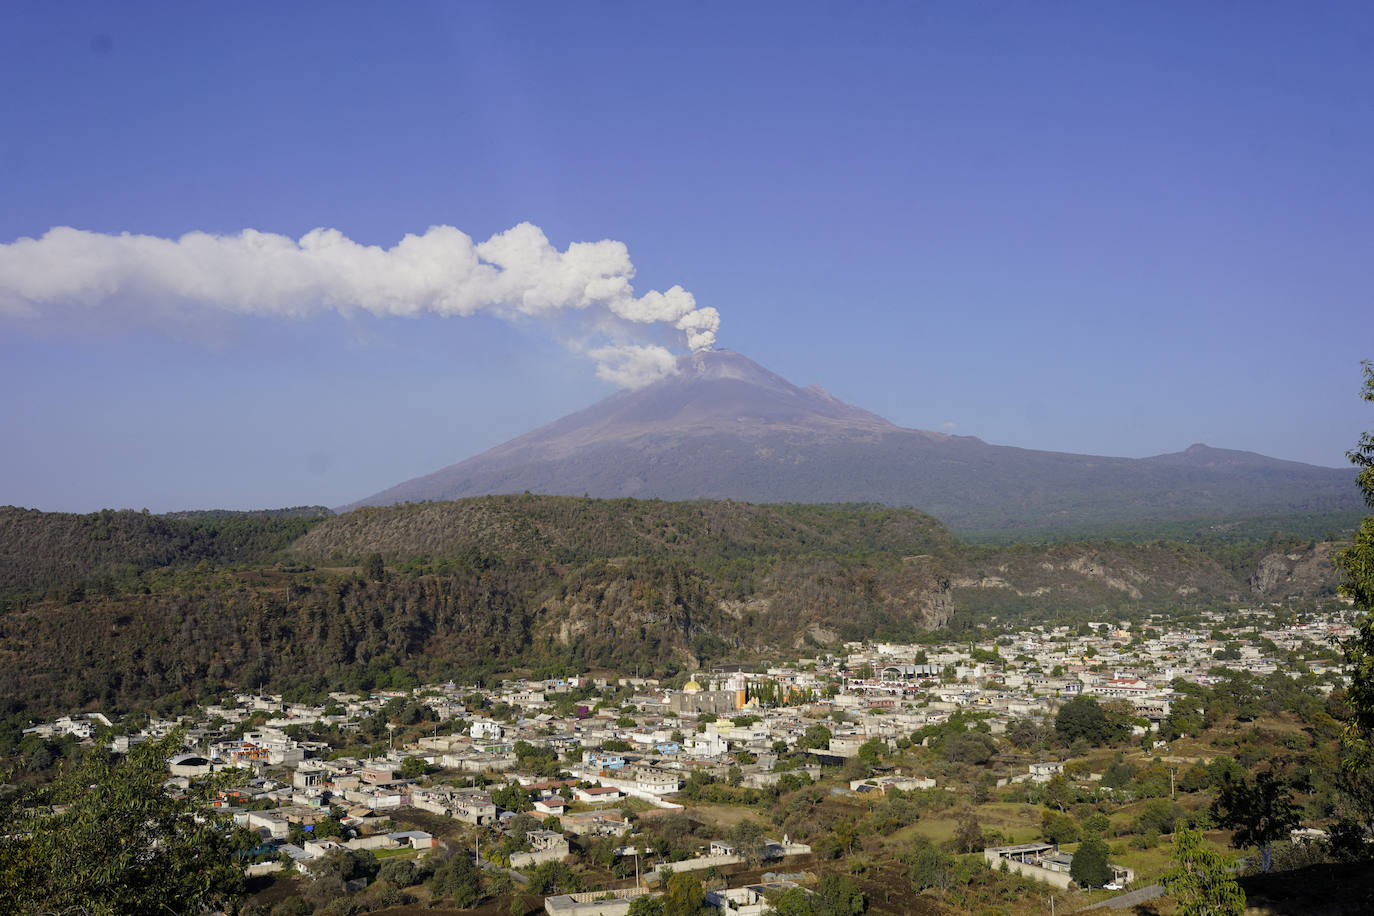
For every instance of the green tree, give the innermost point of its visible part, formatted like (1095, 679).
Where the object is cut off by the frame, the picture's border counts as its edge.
(1089, 866)
(838, 895)
(340, 866)
(399, 873)
(793, 902)
(122, 846)
(931, 866)
(1201, 880)
(1356, 564)
(835, 895)
(968, 833)
(1058, 828)
(413, 768)
(750, 841)
(647, 905)
(968, 747)
(328, 827)
(374, 568)
(1195, 778)
(1160, 815)
(457, 880)
(1026, 733)
(685, 896)
(1259, 812)
(1118, 774)
(1059, 792)
(871, 751)
(1083, 717)
(1097, 823)
(816, 736)
(512, 797)
(553, 878)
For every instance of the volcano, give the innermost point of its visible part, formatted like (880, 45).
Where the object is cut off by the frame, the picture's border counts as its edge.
(724, 427)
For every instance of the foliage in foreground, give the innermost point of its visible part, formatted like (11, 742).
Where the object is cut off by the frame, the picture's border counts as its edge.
(106, 840)
(1356, 564)
(1201, 880)
(835, 895)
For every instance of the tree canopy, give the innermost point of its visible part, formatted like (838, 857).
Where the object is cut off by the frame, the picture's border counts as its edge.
(1356, 564)
(815, 736)
(1201, 880)
(931, 866)
(1083, 717)
(457, 880)
(1259, 811)
(1089, 866)
(683, 895)
(835, 895)
(121, 846)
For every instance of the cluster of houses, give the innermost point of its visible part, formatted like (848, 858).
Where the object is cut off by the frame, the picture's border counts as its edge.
(721, 723)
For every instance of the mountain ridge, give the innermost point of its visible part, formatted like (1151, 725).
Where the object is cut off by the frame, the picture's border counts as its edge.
(723, 427)
(110, 609)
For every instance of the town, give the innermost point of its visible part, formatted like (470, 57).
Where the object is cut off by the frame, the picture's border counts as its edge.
(594, 790)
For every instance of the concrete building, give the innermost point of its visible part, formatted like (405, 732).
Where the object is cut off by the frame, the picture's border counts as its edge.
(594, 903)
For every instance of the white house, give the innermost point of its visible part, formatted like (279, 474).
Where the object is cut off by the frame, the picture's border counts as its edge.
(597, 795)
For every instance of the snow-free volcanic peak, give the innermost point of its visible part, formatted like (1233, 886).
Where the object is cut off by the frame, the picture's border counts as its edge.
(724, 427)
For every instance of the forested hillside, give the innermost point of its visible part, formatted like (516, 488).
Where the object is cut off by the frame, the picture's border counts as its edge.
(114, 609)
(208, 629)
(49, 551)
(569, 529)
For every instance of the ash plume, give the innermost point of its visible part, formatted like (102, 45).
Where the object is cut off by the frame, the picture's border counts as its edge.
(516, 274)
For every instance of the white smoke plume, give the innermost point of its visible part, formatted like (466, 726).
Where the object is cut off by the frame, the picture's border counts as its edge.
(632, 365)
(513, 274)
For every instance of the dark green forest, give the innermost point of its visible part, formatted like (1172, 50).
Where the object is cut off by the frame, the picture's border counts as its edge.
(55, 552)
(115, 609)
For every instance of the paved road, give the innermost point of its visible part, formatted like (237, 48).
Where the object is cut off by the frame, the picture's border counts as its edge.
(515, 875)
(1126, 900)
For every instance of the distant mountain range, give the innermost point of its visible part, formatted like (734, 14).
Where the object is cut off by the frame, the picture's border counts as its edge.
(724, 427)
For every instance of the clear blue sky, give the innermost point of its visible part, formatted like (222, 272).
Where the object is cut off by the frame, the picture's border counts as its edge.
(1105, 228)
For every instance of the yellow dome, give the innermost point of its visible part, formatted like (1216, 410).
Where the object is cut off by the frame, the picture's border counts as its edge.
(691, 687)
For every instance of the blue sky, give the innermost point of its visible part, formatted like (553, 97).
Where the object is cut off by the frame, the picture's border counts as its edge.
(1104, 228)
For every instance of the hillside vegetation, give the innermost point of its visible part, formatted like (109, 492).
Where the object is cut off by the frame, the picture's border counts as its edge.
(569, 529)
(43, 551)
(113, 609)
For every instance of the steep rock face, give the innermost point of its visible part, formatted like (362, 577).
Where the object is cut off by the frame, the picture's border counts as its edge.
(1305, 573)
(1273, 572)
(1126, 575)
(937, 605)
(724, 427)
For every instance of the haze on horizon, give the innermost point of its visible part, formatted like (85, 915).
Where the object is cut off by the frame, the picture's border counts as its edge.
(1112, 231)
